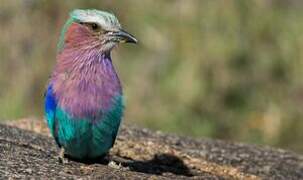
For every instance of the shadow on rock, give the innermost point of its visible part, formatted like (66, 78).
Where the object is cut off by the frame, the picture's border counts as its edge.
(161, 163)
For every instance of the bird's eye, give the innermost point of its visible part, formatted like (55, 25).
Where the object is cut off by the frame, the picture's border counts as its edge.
(95, 26)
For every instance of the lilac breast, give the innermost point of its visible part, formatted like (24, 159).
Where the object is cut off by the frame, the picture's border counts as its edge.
(85, 83)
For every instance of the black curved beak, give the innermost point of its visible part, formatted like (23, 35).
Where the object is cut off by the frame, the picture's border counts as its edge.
(125, 37)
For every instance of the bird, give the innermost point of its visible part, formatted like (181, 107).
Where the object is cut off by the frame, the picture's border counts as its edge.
(84, 100)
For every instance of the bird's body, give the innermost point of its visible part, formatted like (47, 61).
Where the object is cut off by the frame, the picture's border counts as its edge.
(84, 100)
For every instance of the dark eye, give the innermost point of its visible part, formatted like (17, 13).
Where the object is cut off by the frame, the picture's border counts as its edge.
(94, 26)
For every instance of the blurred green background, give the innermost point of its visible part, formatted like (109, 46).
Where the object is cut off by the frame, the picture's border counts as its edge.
(228, 69)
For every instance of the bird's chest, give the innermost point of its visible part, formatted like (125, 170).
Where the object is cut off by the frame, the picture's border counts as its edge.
(88, 95)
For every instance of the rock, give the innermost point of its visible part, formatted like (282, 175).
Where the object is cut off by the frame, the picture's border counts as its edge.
(143, 154)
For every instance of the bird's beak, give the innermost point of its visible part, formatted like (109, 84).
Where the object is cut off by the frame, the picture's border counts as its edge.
(124, 37)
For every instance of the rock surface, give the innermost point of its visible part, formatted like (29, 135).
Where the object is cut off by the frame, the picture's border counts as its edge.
(143, 154)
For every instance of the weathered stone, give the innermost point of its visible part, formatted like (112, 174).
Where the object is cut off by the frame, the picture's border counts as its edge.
(143, 154)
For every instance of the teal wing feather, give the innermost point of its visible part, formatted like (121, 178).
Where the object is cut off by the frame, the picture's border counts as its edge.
(106, 130)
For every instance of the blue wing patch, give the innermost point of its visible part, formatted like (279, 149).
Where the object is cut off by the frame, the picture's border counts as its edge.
(50, 101)
(50, 112)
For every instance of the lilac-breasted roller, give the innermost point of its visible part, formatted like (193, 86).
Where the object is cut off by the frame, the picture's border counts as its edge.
(84, 100)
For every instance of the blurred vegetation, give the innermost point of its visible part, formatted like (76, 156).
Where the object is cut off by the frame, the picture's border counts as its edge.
(228, 69)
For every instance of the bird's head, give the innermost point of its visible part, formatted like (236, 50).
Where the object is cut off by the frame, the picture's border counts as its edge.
(96, 29)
